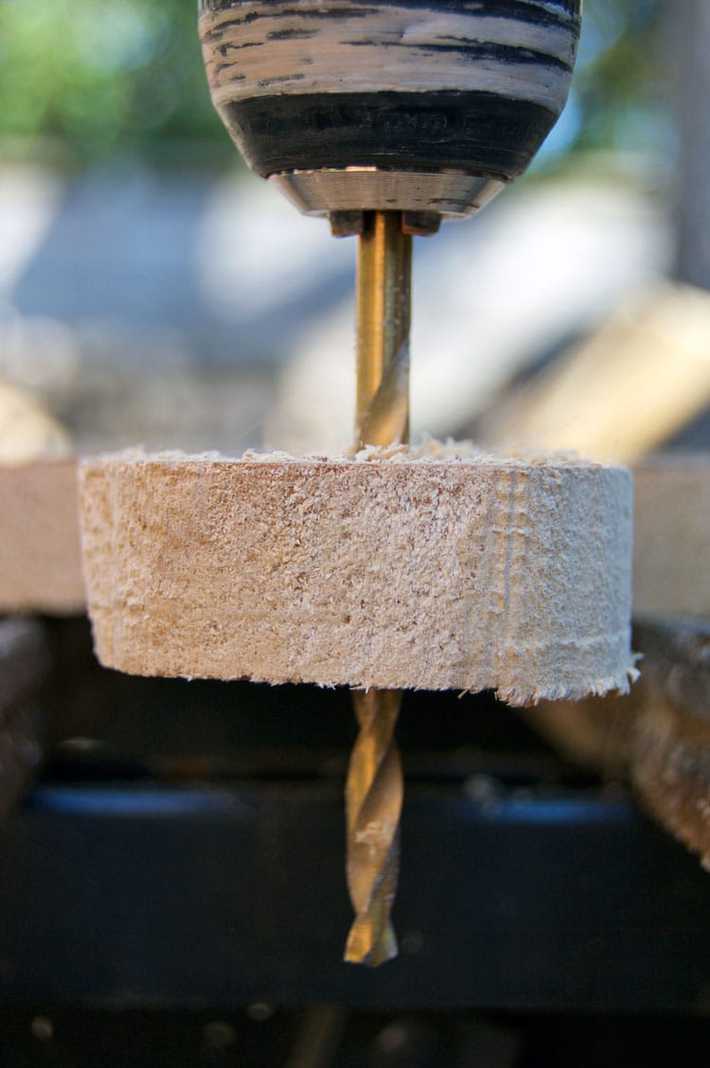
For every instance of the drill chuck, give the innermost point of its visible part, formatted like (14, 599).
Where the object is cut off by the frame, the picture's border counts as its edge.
(390, 105)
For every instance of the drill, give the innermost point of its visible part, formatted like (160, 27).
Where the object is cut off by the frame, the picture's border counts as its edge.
(386, 116)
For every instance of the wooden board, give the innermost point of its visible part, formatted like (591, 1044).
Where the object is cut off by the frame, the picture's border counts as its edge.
(40, 559)
(672, 543)
(437, 574)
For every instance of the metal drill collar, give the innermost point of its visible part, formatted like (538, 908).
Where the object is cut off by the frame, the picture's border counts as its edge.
(449, 194)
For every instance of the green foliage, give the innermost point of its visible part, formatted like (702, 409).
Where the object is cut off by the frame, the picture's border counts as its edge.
(102, 75)
(618, 80)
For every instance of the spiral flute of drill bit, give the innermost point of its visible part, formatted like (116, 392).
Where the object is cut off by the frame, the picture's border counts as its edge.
(374, 787)
(374, 803)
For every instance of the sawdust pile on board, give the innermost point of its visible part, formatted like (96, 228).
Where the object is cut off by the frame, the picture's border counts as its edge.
(429, 450)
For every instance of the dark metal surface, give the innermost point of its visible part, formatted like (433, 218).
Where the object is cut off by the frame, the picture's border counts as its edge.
(184, 850)
(267, 1036)
(24, 671)
(142, 895)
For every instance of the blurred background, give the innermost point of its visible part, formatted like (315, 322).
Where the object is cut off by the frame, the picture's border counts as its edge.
(152, 291)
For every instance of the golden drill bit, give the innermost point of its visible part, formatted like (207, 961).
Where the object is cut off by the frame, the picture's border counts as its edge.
(374, 787)
(373, 803)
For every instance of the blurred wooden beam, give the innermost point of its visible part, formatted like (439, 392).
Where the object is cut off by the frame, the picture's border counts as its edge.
(40, 560)
(625, 391)
(670, 763)
(672, 536)
(40, 570)
(596, 733)
(660, 736)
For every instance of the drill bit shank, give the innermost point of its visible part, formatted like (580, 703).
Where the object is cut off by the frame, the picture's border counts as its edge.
(384, 272)
(374, 787)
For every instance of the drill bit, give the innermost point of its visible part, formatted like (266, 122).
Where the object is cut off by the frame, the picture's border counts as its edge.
(374, 787)
(384, 299)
